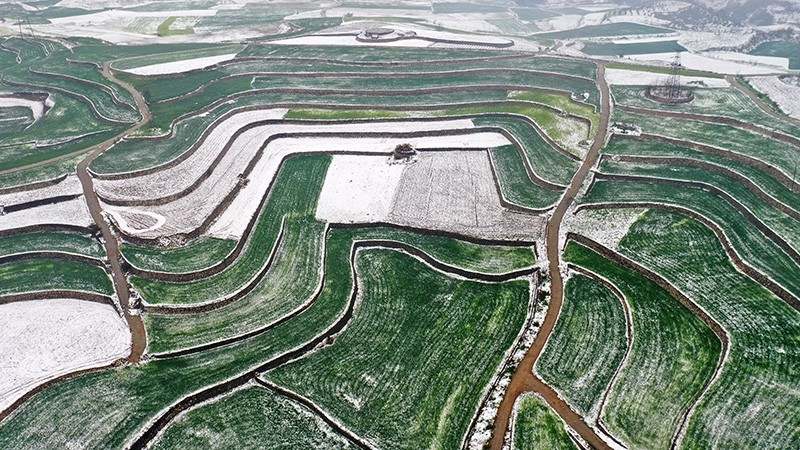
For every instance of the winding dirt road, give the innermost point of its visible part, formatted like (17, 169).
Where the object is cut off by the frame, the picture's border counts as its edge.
(524, 379)
(135, 324)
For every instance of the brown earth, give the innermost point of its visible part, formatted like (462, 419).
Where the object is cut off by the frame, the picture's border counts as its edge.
(524, 380)
(138, 334)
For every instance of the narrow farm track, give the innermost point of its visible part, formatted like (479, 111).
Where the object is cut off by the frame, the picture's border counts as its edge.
(524, 378)
(721, 120)
(135, 324)
(757, 276)
(152, 430)
(719, 331)
(628, 336)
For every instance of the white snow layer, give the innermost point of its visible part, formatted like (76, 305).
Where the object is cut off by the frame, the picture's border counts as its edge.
(116, 14)
(741, 66)
(358, 189)
(69, 186)
(72, 212)
(41, 340)
(181, 66)
(786, 96)
(233, 221)
(638, 78)
(36, 107)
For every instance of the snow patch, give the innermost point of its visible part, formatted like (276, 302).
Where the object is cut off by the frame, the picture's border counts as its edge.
(709, 63)
(181, 66)
(785, 95)
(41, 340)
(359, 189)
(640, 78)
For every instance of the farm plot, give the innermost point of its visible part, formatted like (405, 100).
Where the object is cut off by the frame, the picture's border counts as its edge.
(196, 255)
(40, 340)
(294, 194)
(289, 282)
(753, 402)
(142, 151)
(41, 274)
(619, 145)
(604, 30)
(377, 374)
(537, 427)
(715, 102)
(129, 396)
(548, 163)
(779, 92)
(591, 323)
(784, 224)
(636, 48)
(509, 77)
(66, 242)
(186, 205)
(561, 102)
(72, 212)
(155, 58)
(575, 75)
(778, 154)
(69, 186)
(604, 226)
(69, 127)
(515, 185)
(754, 245)
(673, 355)
(295, 273)
(253, 417)
(459, 196)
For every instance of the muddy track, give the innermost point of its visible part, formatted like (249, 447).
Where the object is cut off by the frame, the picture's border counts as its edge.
(338, 428)
(628, 341)
(152, 431)
(770, 234)
(135, 324)
(756, 163)
(755, 274)
(524, 379)
(719, 331)
(721, 120)
(711, 167)
(377, 75)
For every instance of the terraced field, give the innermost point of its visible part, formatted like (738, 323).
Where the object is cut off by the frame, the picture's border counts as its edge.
(313, 238)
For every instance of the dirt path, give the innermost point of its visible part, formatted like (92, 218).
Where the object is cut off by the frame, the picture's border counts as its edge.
(524, 380)
(138, 336)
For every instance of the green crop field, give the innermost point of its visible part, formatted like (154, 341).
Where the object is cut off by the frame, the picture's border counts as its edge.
(672, 356)
(395, 225)
(537, 427)
(371, 373)
(592, 323)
